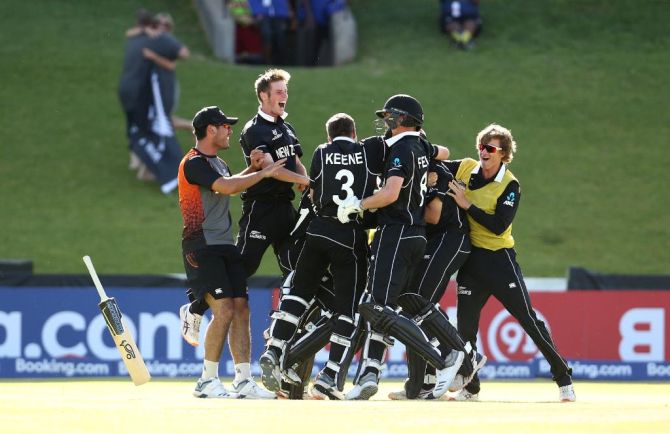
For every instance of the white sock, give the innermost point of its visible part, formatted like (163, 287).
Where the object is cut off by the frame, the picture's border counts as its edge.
(210, 369)
(242, 372)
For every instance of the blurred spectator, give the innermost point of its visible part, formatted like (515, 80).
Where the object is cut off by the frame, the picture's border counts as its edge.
(274, 19)
(147, 92)
(168, 46)
(314, 30)
(460, 20)
(248, 42)
(135, 68)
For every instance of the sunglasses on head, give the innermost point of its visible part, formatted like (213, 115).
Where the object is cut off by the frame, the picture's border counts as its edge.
(489, 148)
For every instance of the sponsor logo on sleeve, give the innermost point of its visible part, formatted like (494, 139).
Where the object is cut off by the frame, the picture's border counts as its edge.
(509, 200)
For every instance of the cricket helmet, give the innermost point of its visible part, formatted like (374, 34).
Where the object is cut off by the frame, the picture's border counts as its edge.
(403, 105)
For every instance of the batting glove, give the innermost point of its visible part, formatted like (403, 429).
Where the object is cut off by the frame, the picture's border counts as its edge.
(350, 206)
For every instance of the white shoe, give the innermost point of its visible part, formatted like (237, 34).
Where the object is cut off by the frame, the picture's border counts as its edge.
(464, 395)
(365, 389)
(190, 325)
(460, 381)
(325, 388)
(567, 393)
(446, 376)
(401, 395)
(211, 388)
(248, 389)
(270, 374)
(290, 376)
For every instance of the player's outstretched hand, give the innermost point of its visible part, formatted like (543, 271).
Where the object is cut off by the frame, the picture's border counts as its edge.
(273, 168)
(351, 205)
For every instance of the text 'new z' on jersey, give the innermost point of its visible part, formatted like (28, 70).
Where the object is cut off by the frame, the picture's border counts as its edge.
(277, 138)
(339, 170)
(409, 158)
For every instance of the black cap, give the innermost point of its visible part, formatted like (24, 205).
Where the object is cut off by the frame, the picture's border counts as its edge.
(211, 116)
(403, 104)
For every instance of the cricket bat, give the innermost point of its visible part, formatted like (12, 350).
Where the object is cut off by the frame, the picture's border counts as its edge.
(125, 343)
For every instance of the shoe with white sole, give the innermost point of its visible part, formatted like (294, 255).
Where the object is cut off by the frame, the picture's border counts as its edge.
(401, 395)
(460, 381)
(211, 388)
(190, 325)
(271, 375)
(567, 393)
(464, 395)
(366, 388)
(290, 376)
(326, 388)
(444, 377)
(249, 389)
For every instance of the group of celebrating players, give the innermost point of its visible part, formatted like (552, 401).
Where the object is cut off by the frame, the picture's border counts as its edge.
(339, 289)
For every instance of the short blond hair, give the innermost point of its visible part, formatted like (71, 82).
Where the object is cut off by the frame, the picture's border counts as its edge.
(507, 143)
(264, 80)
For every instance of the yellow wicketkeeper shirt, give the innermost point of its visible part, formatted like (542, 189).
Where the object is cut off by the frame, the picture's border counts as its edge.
(486, 199)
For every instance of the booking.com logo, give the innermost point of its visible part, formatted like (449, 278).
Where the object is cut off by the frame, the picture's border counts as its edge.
(507, 340)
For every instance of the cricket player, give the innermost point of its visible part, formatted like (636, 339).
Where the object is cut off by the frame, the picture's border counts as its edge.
(339, 171)
(214, 268)
(490, 194)
(398, 246)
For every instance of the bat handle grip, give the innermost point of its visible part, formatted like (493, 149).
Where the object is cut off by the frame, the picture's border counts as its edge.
(94, 276)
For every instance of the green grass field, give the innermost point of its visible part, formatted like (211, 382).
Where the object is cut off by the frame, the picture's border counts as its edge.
(580, 83)
(72, 407)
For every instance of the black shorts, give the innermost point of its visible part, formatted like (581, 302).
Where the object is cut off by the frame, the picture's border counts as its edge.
(264, 223)
(216, 270)
(397, 251)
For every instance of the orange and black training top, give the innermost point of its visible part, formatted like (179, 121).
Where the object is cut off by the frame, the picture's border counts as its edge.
(206, 213)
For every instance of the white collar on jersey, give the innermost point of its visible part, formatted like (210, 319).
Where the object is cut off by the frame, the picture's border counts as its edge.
(348, 139)
(390, 142)
(269, 118)
(498, 177)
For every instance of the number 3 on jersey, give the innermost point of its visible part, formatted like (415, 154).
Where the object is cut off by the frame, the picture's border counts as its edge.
(346, 186)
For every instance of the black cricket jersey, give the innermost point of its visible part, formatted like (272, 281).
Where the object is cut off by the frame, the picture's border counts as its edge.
(277, 138)
(376, 151)
(452, 218)
(409, 157)
(306, 212)
(339, 170)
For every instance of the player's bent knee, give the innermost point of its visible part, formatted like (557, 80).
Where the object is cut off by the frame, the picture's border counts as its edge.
(222, 309)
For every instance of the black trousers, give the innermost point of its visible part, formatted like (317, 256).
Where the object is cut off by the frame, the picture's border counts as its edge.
(489, 273)
(343, 249)
(397, 251)
(264, 223)
(288, 260)
(445, 254)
